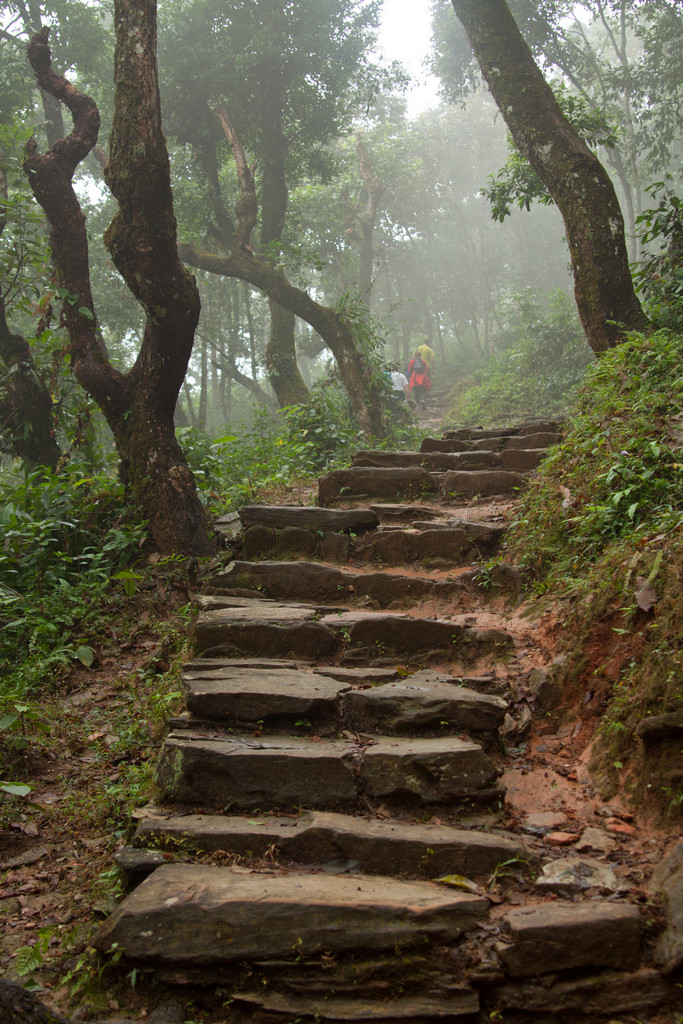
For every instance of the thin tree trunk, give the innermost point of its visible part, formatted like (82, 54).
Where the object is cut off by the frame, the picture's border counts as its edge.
(577, 181)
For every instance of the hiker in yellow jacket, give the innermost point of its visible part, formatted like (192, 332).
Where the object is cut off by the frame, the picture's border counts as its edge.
(425, 353)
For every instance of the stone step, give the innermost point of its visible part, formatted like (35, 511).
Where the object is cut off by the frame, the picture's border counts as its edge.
(520, 429)
(373, 845)
(542, 439)
(461, 542)
(218, 770)
(283, 581)
(559, 936)
(201, 916)
(447, 544)
(379, 482)
(290, 698)
(307, 517)
(410, 481)
(281, 630)
(482, 483)
(459, 1004)
(439, 461)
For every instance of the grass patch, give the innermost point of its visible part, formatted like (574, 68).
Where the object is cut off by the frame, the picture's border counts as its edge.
(600, 528)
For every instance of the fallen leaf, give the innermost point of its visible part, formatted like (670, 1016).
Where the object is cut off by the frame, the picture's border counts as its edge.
(646, 595)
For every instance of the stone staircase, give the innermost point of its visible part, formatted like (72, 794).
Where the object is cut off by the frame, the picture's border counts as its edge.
(331, 830)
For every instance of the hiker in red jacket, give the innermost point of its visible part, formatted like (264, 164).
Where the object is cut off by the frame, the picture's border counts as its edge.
(419, 379)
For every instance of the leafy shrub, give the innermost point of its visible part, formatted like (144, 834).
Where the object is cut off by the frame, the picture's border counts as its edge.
(538, 373)
(64, 535)
(659, 275)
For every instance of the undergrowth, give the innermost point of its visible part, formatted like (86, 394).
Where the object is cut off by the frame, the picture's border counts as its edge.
(290, 450)
(543, 360)
(600, 528)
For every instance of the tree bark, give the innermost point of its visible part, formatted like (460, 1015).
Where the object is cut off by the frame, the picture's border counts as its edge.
(577, 181)
(141, 239)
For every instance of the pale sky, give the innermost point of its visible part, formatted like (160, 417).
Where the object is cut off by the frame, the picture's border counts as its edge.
(404, 35)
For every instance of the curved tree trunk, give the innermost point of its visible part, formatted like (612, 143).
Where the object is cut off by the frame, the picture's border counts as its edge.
(575, 178)
(139, 405)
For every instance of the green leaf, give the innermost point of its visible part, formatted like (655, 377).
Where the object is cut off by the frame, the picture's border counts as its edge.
(87, 313)
(85, 655)
(15, 788)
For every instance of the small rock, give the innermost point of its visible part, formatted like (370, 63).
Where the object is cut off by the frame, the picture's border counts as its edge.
(595, 839)
(620, 828)
(561, 838)
(546, 819)
(576, 874)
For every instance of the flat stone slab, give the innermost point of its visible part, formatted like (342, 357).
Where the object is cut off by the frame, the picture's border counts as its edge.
(485, 482)
(378, 846)
(540, 439)
(308, 517)
(422, 704)
(405, 635)
(204, 916)
(265, 627)
(397, 547)
(246, 696)
(522, 460)
(442, 444)
(429, 770)
(274, 771)
(214, 770)
(399, 513)
(438, 461)
(600, 995)
(379, 482)
(298, 580)
(462, 1002)
(561, 936)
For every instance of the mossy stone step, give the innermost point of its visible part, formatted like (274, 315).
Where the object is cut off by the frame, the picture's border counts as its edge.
(376, 846)
(482, 483)
(460, 1003)
(296, 631)
(308, 517)
(285, 699)
(438, 461)
(197, 915)
(376, 482)
(284, 581)
(217, 770)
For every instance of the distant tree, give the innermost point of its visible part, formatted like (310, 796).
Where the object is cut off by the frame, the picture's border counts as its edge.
(285, 77)
(26, 407)
(138, 405)
(577, 181)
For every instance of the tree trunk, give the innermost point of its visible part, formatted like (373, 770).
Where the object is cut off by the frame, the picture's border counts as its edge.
(141, 239)
(283, 371)
(281, 365)
(26, 415)
(26, 420)
(577, 181)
